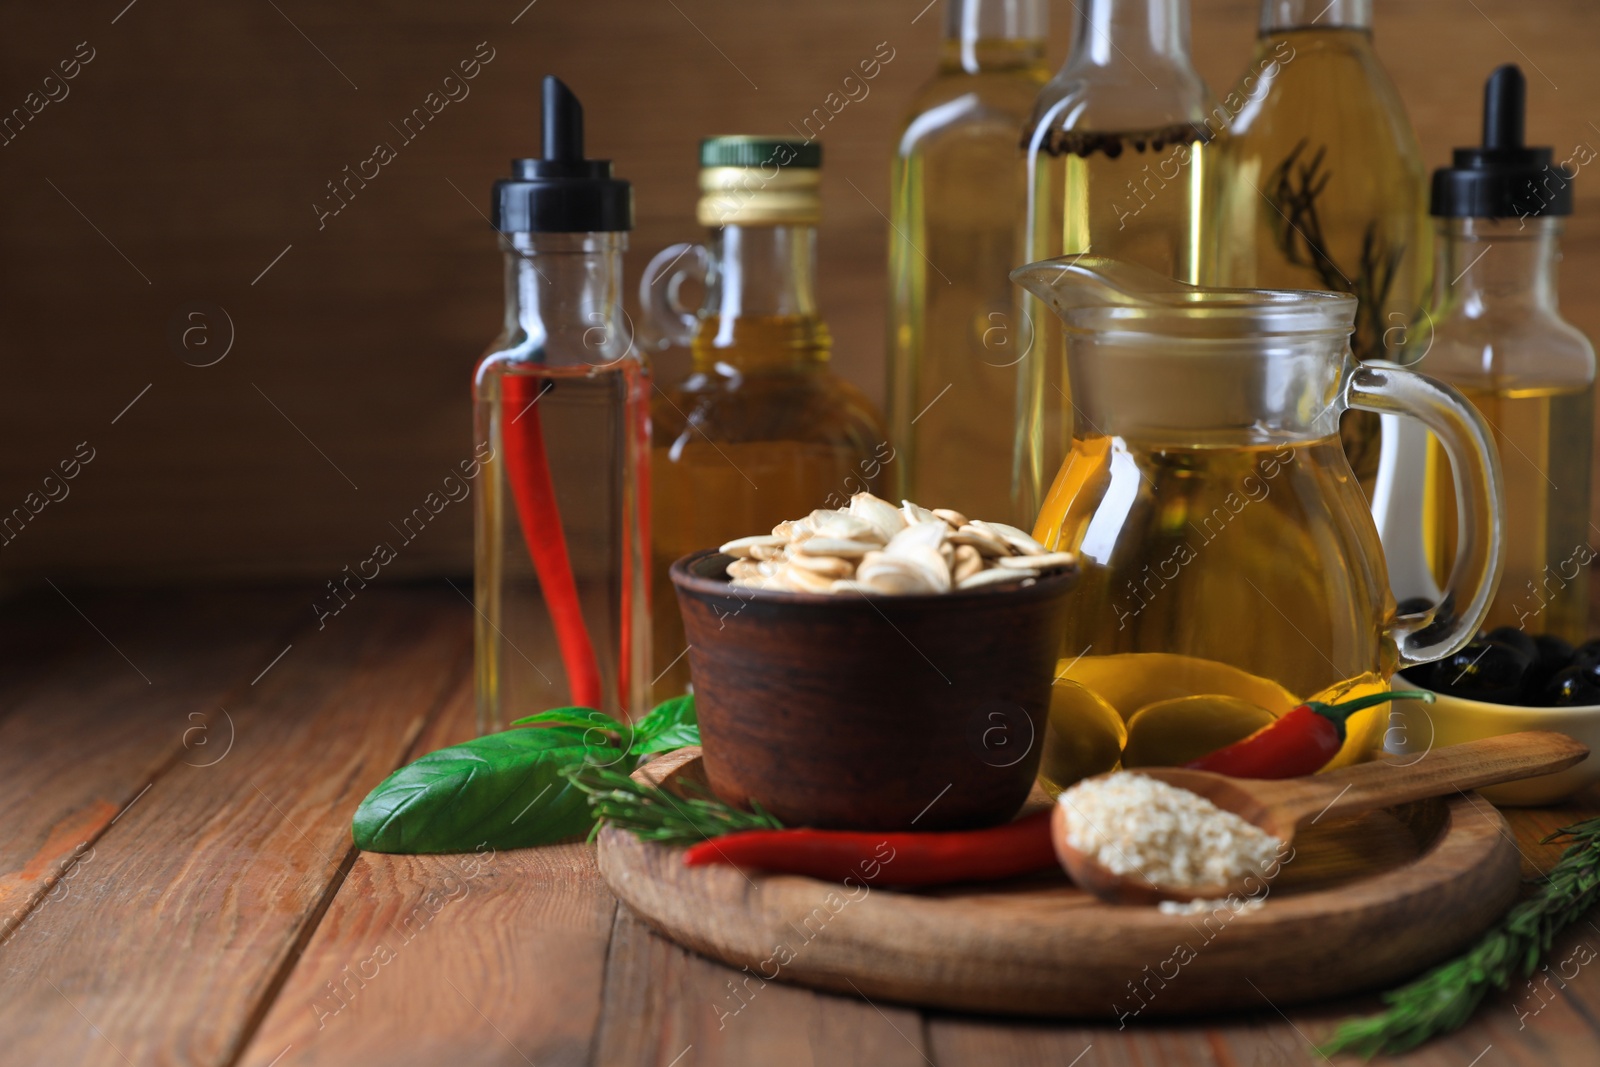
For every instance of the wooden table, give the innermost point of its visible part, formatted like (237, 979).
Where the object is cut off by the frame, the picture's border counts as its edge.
(178, 884)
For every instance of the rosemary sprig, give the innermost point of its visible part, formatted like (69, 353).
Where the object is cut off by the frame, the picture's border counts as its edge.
(1445, 998)
(1294, 187)
(656, 815)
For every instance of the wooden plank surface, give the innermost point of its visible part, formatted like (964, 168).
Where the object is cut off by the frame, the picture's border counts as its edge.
(176, 933)
(667, 1007)
(419, 957)
(126, 699)
(224, 919)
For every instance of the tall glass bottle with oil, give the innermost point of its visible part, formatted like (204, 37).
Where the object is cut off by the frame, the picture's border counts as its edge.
(955, 351)
(1498, 336)
(761, 430)
(562, 429)
(1322, 184)
(1118, 157)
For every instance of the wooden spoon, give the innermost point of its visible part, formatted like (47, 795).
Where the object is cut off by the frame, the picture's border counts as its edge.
(1281, 807)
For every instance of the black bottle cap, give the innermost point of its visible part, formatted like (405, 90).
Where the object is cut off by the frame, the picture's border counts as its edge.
(1503, 178)
(563, 192)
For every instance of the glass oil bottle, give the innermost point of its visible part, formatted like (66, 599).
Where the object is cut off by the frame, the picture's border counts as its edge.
(562, 428)
(1117, 144)
(1322, 182)
(1498, 336)
(1118, 156)
(761, 430)
(955, 351)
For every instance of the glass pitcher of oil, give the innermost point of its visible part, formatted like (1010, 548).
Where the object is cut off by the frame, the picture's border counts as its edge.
(1226, 549)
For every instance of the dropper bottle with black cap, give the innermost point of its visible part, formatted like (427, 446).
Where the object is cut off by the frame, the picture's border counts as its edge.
(1494, 331)
(562, 445)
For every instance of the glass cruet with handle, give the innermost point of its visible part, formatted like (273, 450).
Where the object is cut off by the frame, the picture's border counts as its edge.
(1230, 565)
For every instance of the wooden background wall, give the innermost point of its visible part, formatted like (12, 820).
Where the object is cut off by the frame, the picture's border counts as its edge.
(180, 172)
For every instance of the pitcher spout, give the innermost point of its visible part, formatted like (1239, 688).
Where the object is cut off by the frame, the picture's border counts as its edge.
(1094, 293)
(1070, 282)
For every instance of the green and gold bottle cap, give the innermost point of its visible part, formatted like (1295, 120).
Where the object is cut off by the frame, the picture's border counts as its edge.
(759, 181)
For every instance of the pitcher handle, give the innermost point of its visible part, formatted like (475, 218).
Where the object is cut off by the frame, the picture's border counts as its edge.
(666, 320)
(1481, 510)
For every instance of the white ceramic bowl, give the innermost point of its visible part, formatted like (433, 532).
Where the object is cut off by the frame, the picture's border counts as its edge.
(1415, 727)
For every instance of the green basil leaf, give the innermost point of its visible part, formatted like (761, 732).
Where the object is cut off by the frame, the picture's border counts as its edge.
(667, 715)
(672, 737)
(583, 718)
(502, 790)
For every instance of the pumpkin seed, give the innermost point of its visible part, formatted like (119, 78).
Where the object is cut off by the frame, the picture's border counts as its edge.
(746, 546)
(997, 576)
(1012, 536)
(872, 547)
(833, 546)
(1048, 561)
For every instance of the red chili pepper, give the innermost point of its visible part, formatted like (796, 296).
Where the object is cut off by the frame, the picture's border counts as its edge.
(1301, 742)
(528, 473)
(897, 859)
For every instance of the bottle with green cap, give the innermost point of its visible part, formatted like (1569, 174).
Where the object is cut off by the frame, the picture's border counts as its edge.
(1494, 330)
(560, 469)
(761, 430)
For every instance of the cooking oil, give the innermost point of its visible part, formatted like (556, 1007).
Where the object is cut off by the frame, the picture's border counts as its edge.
(757, 434)
(561, 434)
(573, 632)
(1137, 197)
(1322, 184)
(1118, 165)
(1253, 559)
(1544, 438)
(1495, 331)
(955, 348)
(761, 430)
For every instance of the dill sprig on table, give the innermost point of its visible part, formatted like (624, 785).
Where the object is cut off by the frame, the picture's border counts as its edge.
(656, 815)
(1445, 998)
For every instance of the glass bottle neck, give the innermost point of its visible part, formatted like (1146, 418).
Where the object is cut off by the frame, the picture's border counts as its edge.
(983, 36)
(762, 271)
(564, 297)
(1486, 266)
(760, 285)
(1134, 33)
(1279, 16)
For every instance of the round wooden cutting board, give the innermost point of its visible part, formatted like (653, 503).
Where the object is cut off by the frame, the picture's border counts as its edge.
(1362, 903)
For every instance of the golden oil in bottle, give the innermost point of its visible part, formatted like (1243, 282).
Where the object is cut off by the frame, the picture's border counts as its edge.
(761, 430)
(1544, 437)
(1136, 197)
(1494, 330)
(1321, 183)
(955, 348)
(1118, 165)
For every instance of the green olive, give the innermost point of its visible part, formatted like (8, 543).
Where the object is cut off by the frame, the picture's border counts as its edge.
(1170, 733)
(1085, 736)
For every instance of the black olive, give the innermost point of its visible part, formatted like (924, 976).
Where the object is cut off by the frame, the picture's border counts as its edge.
(1554, 654)
(1483, 670)
(1414, 605)
(1520, 640)
(1588, 652)
(1572, 686)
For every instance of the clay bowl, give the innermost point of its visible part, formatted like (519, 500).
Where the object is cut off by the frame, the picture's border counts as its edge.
(871, 713)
